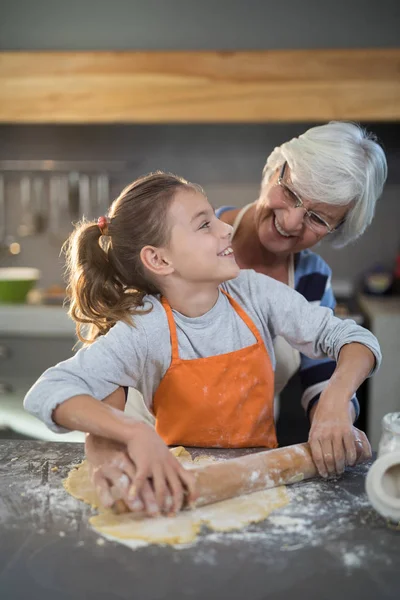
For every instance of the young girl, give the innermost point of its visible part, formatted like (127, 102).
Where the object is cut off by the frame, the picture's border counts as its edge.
(171, 314)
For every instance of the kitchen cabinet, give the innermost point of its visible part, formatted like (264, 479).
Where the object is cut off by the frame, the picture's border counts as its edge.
(32, 338)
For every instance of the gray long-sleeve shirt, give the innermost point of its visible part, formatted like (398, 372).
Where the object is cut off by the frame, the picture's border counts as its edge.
(139, 355)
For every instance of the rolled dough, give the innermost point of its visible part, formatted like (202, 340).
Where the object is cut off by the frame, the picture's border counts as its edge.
(127, 528)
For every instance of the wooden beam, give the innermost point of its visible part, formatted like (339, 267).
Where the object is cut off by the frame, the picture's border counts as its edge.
(197, 87)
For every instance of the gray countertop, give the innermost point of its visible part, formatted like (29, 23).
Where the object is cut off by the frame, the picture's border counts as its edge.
(326, 544)
(27, 320)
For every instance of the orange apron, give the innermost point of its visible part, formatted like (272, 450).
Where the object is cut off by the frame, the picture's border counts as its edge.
(223, 401)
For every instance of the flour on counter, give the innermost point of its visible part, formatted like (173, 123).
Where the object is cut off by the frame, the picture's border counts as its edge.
(320, 515)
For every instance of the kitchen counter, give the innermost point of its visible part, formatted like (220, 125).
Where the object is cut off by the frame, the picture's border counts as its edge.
(35, 320)
(15, 417)
(327, 543)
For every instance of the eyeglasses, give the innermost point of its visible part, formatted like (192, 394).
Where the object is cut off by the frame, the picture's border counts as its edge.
(293, 200)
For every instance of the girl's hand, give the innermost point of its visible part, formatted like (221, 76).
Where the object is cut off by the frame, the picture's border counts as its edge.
(155, 465)
(334, 441)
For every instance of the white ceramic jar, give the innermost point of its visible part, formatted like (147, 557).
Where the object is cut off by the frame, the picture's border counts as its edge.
(383, 479)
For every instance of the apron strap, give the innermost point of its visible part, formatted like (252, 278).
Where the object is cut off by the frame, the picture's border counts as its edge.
(172, 325)
(243, 315)
(172, 329)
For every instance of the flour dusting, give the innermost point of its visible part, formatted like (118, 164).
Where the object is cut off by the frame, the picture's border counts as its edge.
(321, 514)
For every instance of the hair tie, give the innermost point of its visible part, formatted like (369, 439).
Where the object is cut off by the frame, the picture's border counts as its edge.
(103, 223)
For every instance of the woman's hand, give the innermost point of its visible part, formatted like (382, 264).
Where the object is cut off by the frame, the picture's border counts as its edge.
(112, 471)
(115, 475)
(139, 469)
(334, 441)
(155, 465)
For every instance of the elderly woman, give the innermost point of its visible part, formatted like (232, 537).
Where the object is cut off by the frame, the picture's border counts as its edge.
(325, 183)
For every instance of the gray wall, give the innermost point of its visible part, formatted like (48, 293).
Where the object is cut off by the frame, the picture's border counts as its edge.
(193, 24)
(226, 159)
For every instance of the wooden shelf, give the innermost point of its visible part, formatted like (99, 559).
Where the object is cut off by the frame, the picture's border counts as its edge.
(198, 87)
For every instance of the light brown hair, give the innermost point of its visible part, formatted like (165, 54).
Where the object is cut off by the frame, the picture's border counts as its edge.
(106, 278)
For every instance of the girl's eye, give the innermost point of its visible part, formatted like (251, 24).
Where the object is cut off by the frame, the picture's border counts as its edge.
(205, 225)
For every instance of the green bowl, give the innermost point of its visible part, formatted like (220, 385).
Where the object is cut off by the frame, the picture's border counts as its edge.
(15, 283)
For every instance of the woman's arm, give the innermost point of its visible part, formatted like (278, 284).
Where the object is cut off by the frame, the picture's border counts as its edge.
(333, 440)
(316, 332)
(313, 281)
(141, 471)
(95, 443)
(155, 467)
(112, 470)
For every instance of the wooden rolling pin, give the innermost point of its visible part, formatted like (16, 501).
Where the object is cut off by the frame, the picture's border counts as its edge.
(253, 472)
(246, 474)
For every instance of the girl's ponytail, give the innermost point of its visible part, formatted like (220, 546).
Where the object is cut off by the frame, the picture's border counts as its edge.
(98, 297)
(106, 278)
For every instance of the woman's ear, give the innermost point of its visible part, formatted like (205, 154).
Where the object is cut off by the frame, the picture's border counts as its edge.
(156, 261)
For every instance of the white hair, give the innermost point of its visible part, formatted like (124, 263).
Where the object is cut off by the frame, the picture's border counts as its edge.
(338, 163)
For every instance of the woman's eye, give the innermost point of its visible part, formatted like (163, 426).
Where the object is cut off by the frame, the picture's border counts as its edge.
(289, 196)
(205, 225)
(316, 220)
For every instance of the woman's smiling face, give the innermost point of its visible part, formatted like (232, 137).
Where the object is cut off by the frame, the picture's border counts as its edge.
(282, 228)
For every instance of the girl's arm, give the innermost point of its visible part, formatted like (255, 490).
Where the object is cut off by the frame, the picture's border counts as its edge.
(311, 329)
(93, 373)
(85, 413)
(69, 396)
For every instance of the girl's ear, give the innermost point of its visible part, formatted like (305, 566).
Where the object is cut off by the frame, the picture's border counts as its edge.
(156, 261)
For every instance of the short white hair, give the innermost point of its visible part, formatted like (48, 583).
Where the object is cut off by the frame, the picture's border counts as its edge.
(338, 163)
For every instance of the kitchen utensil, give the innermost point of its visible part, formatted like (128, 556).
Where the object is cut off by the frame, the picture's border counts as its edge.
(33, 206)
(2, 213)
(59, 215)
(73, 196)
(7, 243)
(4, 242)
(85, 207)
(27, 224)
(237, 476)
(39, 205)
(15, 283)
(383, 479)
(103, 194)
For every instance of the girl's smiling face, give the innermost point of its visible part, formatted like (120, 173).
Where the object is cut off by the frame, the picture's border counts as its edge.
(199, 248)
